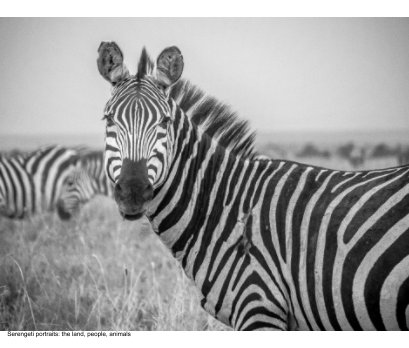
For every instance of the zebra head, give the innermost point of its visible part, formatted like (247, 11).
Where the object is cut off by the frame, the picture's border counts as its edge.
(84, 182)
(78, 188)
(139, 118)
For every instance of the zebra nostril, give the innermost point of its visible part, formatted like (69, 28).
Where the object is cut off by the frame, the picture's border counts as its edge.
(118, 187)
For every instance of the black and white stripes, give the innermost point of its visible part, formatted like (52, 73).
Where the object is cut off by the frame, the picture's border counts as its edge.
(17, 193)
(278, 239)
(269, 244)
(32, 182)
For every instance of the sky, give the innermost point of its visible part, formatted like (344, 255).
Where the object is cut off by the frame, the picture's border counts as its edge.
(281, 74)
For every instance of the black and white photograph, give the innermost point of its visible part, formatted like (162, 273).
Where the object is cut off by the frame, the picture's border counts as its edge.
(204, 174)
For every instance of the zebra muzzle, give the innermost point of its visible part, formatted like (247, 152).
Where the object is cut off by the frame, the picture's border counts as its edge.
(62, 212)
(133, 190)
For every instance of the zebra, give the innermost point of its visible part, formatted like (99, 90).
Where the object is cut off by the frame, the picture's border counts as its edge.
(31, 182)
(84, 182)
(269, 244)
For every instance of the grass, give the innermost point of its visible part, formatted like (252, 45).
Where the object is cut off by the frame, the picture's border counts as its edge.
(96, 272)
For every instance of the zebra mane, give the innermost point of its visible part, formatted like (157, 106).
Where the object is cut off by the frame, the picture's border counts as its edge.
(145, 65)
(215, 118)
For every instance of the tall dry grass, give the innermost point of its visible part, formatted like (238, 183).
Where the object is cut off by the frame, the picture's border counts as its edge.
(96, 272)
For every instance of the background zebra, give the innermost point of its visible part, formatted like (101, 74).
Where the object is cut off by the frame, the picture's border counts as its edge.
(84, 182)
(32, 182)
(269, 244)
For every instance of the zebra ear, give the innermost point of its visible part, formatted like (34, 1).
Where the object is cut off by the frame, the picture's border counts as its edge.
(169, 66)
(111, 63)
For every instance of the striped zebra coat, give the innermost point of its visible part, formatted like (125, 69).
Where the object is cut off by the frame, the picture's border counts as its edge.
(270, 244)
(17, 194)
(32, 182)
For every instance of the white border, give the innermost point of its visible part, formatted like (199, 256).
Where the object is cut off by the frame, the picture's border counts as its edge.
(180, 339)
(218, 8)
(206, 8)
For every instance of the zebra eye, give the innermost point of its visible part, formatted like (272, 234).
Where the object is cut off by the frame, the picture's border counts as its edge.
(70, 182)
(166, 120)
(109, 118)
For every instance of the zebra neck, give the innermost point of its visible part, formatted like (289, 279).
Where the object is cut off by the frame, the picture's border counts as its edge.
(189, 205)
(102, 185)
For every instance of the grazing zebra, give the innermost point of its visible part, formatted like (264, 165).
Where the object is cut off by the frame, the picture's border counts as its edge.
(270, 244)
(32, 182)
(85, 181)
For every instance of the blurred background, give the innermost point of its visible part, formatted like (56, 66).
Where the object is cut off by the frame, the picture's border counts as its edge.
(327, 91)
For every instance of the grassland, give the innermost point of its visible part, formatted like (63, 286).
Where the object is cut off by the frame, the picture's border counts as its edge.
(96, 272)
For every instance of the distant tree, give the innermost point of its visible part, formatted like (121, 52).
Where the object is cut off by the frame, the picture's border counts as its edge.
(345, 151)
(383, 150)
(326, 154)
(357, 157)
(310, 150)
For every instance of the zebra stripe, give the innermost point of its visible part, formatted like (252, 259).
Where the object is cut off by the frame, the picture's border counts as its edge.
(17, 196)
(270, 244)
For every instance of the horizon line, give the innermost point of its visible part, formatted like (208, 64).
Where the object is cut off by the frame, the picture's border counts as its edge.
(377, 130)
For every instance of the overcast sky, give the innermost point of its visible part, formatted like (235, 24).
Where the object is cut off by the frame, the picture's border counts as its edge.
(280, 74)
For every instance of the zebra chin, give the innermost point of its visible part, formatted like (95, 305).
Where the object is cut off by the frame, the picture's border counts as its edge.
(132, 217)
(131, 213)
